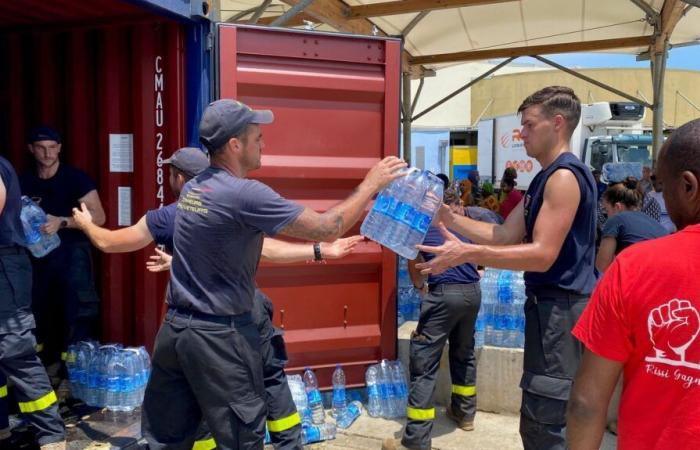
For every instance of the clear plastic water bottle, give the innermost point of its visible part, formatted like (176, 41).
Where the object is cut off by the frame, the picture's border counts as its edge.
(296, 386)
(339, 400)
(396, 219)
(33, 217)
(92, 387)
(426, 208)
(374, 225)
(479, 328)
(405, 194)
(82, 369)
(318, 433)
(114, 369)
(519, 298)
(374, 400)
(351, 413)
(145, 364)
(488, 299)
(390, 396)
(398, 377)
(314, 396)
(404, 277)
(132, 379)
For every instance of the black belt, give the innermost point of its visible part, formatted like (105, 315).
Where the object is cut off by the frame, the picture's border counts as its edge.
(183, 313)
(449, 287)
(12, 250)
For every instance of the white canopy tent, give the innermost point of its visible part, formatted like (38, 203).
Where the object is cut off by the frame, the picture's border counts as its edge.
(439, 32)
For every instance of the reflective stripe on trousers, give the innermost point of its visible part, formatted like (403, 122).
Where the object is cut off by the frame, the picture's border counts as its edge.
(39, 404)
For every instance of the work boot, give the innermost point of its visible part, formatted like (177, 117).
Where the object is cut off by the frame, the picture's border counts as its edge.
(54, 446)
(462, 422)
(393, 444)
(5, 433)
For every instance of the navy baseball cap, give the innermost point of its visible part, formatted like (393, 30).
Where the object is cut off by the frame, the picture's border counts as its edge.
(44, 133)
(189, 160)
(226, 118)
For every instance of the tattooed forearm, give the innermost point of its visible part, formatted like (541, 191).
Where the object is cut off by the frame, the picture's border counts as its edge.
(332, 224)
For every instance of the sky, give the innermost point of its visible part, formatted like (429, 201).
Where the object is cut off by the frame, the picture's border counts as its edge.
(679, 58)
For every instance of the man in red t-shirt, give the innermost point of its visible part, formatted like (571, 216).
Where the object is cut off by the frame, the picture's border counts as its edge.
(644, 320)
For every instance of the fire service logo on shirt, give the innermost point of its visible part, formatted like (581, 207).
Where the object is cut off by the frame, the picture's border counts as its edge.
(673, 329)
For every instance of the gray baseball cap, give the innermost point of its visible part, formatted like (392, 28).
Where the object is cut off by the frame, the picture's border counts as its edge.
(189, 160)
(226, 118)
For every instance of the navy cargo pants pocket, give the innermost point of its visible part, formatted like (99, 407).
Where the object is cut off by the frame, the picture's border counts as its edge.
(251, 414)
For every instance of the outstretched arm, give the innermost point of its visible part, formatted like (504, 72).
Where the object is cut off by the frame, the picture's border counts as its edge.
(277, 251)
(123, 240)
(335, 222)
(561, 200)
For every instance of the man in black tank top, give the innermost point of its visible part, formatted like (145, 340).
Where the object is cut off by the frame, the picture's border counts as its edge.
(551, 236)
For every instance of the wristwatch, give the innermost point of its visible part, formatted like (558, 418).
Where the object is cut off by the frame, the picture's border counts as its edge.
(64, 223)
(317, 252)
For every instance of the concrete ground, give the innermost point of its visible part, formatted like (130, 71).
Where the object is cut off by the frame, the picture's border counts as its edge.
(492, 432)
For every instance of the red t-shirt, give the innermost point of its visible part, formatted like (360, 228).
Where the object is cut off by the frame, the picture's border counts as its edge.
(645, 313)
(510, 202)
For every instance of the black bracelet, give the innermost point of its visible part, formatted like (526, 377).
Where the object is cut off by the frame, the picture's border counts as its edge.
(317, 252)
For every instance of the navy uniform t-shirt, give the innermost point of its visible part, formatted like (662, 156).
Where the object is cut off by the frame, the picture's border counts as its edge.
(161, 225)
(630, 227)
(11, 231)
(219, 227)
(59, 195)
(462, 274)
(574, 268)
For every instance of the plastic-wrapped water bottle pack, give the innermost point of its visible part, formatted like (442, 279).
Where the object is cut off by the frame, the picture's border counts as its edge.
(108, 375)
(501, 319)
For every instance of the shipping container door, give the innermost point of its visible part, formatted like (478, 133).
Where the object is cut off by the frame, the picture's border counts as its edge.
(335, 100)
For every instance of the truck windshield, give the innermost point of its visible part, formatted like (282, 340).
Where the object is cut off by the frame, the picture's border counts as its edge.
(634, 153)
(600, 154)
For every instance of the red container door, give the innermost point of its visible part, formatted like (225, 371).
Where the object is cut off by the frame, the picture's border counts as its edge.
(91, 82)
(335, 100)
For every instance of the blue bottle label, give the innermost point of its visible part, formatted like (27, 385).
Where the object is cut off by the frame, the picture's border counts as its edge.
(373, 391)
(314, 397)
(338, 395)
(113, 384)
(404, 213)
(421, 222)
(312, 434)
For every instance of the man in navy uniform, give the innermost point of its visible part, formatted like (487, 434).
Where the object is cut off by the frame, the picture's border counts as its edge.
(551, 236)
(207, 361)
(18, 360)
(158, 225)
(65, 300)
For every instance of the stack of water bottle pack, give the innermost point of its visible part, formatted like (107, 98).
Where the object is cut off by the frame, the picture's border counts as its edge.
(33, 217)
(387, 390)
(403, 212)
(501, 319)
(108, 375)
(409, 297)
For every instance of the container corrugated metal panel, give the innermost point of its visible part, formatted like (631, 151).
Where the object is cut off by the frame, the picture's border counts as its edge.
(335, 100)
(90, 78)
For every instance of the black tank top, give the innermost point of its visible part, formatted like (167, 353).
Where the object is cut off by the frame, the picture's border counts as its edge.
(574, 268)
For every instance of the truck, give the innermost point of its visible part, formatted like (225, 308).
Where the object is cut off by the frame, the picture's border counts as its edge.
(608, 132)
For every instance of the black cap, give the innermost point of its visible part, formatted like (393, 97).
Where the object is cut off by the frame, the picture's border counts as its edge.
(226, 118)
(189, 160)
(43, 133)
